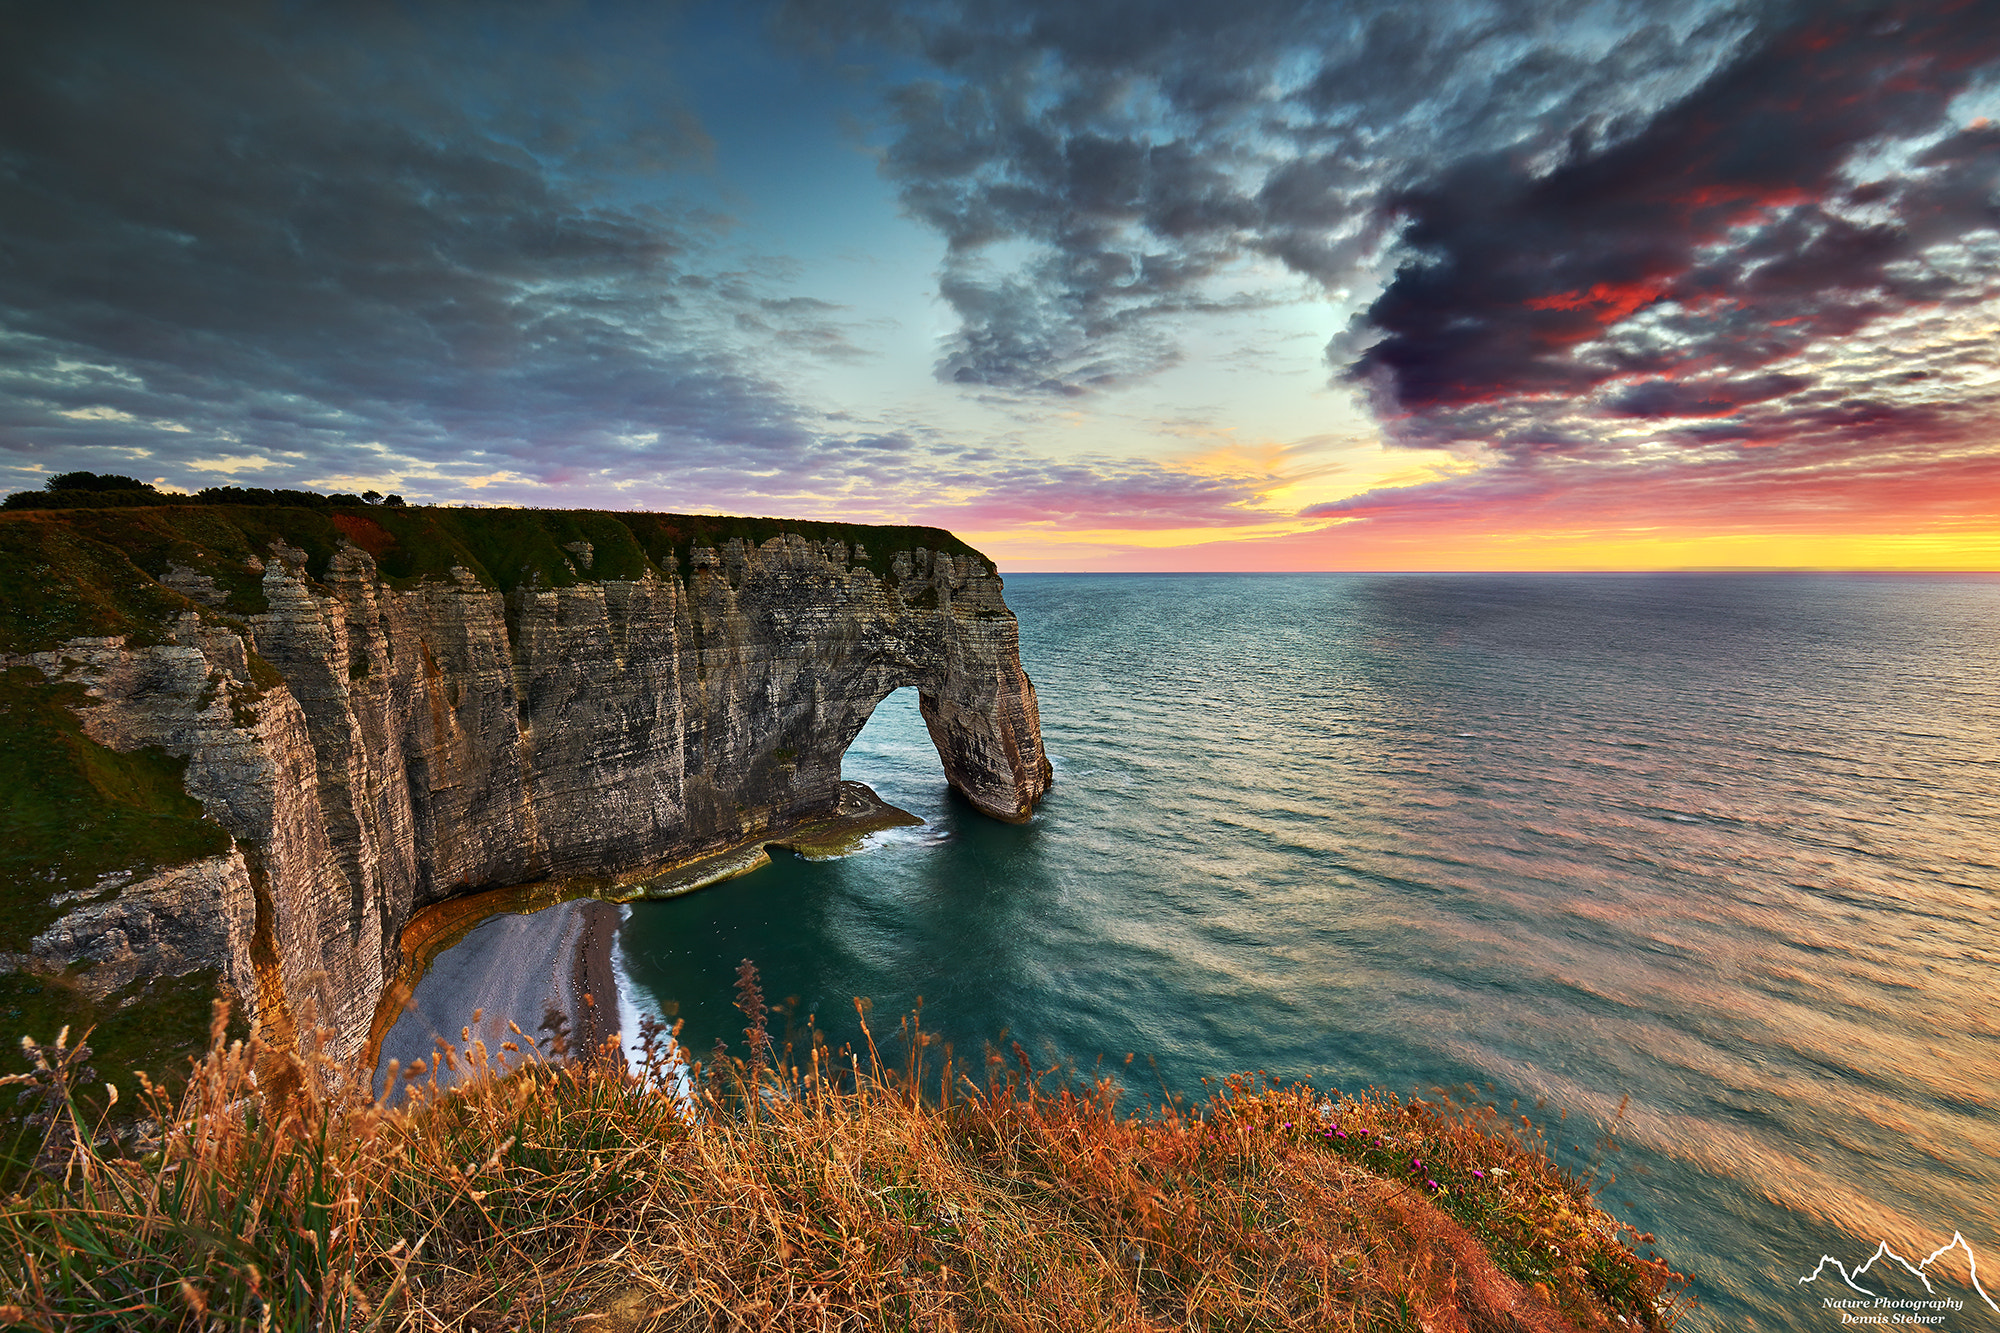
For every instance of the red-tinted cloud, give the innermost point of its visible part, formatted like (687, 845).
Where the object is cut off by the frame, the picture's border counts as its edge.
(1730, 216)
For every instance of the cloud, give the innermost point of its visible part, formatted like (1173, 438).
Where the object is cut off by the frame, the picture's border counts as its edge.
(232, 464)
(1101, 175)
(1728, 222)
(291, 230)
(1701, 398)
(1687, 253)
(1774, 297)
(1095, 493)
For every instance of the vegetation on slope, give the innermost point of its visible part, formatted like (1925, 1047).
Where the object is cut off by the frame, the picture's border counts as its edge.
(78, 816)
(798, 1189)
(217, 532)
(77, 822)
(92, 490)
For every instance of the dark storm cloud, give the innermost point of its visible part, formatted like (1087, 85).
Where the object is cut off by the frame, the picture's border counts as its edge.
(1897, 427)
(1098, 171)
(325, 238)
(1767, 275)
(1701, 398)
(1731, 212)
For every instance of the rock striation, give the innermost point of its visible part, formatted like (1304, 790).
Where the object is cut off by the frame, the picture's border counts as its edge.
(374, 743)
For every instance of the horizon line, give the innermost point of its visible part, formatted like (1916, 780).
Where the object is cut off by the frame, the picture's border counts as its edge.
(1891, 570)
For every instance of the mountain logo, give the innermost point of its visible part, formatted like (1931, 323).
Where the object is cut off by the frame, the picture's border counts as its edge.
(1918, 1271)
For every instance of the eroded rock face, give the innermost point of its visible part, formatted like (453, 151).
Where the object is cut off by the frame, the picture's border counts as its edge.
(428, 741)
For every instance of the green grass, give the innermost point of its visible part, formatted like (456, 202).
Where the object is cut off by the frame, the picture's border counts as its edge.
(675, 535)
(161, 1027)
(511, 548)
(74, 811)
(59, 580)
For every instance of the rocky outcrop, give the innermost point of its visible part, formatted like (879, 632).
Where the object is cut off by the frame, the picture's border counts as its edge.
(375, 745)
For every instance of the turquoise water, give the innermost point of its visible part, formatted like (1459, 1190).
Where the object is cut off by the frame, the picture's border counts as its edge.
(1723, 847)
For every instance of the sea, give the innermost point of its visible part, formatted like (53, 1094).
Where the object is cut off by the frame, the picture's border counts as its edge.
(1700, 872)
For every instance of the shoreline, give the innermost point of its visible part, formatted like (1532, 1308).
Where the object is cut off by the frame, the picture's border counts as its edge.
(546, 948)
(524, 972)
(593, 986)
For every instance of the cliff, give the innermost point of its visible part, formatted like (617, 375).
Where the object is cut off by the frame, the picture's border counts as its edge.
(252, 742)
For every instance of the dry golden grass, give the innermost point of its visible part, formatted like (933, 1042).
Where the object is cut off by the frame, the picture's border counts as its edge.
(796, 1189)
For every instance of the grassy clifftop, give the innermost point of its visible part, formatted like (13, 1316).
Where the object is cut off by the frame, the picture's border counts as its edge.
(802, 1189)
(68, 572)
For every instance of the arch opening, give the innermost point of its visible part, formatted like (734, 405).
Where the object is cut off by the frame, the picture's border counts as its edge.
(895, 754)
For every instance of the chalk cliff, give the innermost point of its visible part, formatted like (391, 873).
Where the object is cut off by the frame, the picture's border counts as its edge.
(382, 711)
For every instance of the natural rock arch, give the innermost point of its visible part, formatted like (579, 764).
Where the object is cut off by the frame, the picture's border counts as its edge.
(377, 745)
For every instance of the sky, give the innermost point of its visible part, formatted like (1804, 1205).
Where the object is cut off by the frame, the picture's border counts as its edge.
(1096, 284)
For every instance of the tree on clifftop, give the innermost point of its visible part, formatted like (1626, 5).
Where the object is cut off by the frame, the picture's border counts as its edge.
(93, 481)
